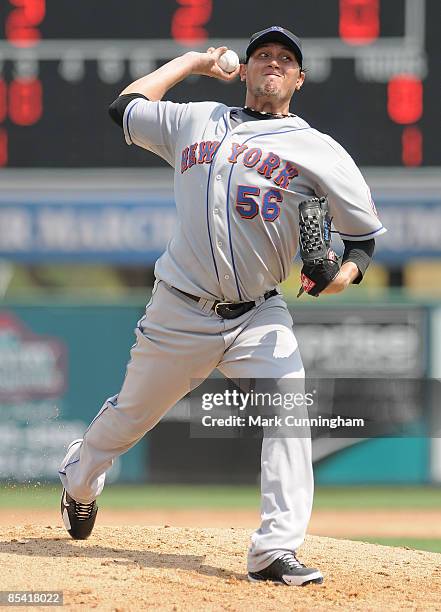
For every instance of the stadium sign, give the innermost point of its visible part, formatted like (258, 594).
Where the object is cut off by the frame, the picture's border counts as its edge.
(31, 366)
(135, 229)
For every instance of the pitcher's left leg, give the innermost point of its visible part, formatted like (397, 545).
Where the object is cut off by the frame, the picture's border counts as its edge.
(267, 348)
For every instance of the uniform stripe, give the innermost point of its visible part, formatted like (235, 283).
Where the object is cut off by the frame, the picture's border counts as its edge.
(103, 409)
(66, 466)
(229, 234)
(362, 235)
(207, 198)
(127, 117)
(228, 199)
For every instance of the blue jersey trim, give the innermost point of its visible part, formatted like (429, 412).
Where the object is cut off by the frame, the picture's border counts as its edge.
(229, 233)
(66, 466)
(275, 133)
(207, 199)
(127, 121)
(228, 197)
(362, 235)
(103, 409)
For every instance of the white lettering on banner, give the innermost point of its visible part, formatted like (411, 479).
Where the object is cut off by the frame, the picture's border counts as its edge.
(26, 465)
(35, 452)
(50, 435)
(67, 228)
(30, 365)
(33, 366)
(15, 229)
(114, 229)
(360, 348)
(30, 411)
(55, 229)
(411, 228)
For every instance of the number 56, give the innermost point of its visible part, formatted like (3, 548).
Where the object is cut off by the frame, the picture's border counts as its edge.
(248, 208)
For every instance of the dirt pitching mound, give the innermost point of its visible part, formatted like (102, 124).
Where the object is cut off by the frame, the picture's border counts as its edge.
(175, 568)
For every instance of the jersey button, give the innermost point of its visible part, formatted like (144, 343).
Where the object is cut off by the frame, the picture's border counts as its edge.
(227, 277)
(216, 211)
(218, 177)
(220, 243)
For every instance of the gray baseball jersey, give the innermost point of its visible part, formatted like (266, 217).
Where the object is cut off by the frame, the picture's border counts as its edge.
(237, 190)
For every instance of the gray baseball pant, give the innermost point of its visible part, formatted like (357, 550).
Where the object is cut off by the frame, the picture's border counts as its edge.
(179, 341)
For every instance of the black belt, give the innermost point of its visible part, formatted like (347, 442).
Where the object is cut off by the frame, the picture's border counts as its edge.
(230, 310)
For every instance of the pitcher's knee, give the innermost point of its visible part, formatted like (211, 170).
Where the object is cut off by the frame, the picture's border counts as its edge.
(122, 423)
(142, 423)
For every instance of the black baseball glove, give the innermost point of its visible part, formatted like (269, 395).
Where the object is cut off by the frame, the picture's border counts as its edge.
(320, 263)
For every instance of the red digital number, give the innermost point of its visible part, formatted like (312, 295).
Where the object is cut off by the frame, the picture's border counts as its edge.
(3, 147)
(359, 22)
(188, 21)
(25, 101)
(412, 146)
(21, 24)
(405, 99)
(3, 100)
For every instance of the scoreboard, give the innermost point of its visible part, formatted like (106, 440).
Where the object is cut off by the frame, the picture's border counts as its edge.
(371, 69)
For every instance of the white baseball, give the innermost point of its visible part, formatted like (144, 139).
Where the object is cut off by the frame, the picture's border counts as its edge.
(229, 61)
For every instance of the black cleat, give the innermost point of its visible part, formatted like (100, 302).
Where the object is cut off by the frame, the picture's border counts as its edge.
(79, 519)
(288, 570)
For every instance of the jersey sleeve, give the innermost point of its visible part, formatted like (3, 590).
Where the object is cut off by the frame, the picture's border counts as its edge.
(154, 126)
(351, 206)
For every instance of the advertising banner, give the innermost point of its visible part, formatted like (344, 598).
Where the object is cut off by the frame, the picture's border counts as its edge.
(134, 228)
(57, 366)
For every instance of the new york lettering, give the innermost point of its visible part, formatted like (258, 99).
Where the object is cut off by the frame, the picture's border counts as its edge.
(266, 164)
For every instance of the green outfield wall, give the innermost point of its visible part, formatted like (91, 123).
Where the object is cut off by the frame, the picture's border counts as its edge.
(59, 361)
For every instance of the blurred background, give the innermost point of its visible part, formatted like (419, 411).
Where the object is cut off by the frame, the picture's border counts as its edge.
(83, 218)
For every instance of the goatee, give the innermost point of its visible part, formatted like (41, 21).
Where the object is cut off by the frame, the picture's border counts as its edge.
(267, 90)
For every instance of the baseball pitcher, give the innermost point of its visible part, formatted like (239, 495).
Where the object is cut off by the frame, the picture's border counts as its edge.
(252, 183)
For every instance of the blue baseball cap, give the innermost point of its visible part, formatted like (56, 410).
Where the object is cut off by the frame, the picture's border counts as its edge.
(276, 34)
